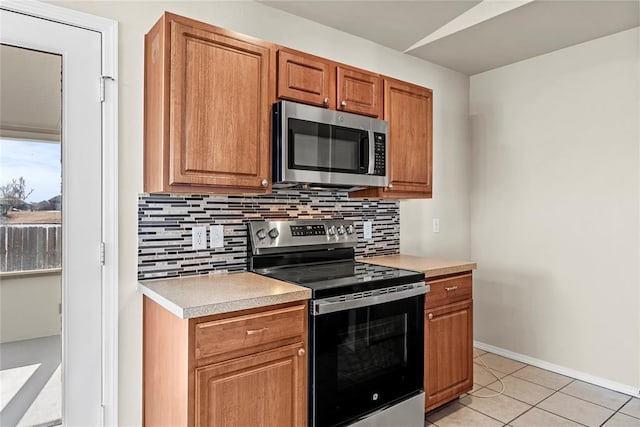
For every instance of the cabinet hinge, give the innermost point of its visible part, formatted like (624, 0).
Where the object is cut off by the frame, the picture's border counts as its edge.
(102, 86)
(102, 250)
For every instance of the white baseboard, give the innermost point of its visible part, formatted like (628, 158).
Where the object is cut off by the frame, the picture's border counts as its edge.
(582, 376)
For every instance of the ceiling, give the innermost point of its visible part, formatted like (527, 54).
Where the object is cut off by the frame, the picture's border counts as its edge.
(30, 94)
(471, 36)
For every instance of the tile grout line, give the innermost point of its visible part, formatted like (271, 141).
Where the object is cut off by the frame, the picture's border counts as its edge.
(562, 416)
(553, 393)
(610, 416)
(534, 406)
(593, 403)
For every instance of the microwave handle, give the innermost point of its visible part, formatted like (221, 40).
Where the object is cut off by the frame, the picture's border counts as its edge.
(372, 153)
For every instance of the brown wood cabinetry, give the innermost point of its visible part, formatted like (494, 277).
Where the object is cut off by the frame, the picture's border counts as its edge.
(237, 369)
(208, 95)
(257, 390)
(313, 80)
(305, 78)
(448, 340)
(408, 109)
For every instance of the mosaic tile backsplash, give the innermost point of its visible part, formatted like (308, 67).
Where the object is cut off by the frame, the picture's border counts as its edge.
(165, 221)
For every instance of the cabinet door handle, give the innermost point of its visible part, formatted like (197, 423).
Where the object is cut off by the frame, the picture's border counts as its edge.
(390, 185)
(264, 183)
(301, 352)
(451, 288)
(257, 331)
(325, 101)
(430, 316)
(343, 103)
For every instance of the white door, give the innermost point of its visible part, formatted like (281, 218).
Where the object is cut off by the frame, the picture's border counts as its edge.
(80, 51)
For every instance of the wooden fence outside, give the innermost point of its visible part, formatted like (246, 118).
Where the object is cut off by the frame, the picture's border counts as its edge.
(30, 247)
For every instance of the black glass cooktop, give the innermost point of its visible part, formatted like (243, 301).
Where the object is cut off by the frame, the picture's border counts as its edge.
(343, 277)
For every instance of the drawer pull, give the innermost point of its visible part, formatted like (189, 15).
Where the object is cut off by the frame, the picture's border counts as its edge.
(451, 288)
(301, 352)
(430, 316)
(257, 331)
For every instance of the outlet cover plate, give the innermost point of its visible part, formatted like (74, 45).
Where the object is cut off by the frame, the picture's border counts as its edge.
(368, 230)
(217, 236)
(198, 238)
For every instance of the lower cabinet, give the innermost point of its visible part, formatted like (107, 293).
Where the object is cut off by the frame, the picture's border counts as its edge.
(247, 368)
(263, 388)
(448, 337)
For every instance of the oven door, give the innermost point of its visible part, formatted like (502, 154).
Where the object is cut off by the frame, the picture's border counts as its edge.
(365, 358)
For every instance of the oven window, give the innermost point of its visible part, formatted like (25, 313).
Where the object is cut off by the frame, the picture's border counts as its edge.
(365, 358)
(322, 147)
(370, 348)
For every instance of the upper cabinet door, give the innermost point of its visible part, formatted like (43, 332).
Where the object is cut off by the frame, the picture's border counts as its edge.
(220, 110)
(305, 78)
(409, 110)
(359, 92)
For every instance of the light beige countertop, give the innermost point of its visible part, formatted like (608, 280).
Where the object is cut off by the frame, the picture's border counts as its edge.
(432, 267)
(195, 296)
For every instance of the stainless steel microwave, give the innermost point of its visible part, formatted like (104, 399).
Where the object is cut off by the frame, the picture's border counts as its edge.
(325, 148)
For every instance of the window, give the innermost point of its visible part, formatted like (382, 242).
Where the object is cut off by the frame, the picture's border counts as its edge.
(30, 206)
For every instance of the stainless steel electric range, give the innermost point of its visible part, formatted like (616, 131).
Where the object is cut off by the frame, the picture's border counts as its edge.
(366, 323)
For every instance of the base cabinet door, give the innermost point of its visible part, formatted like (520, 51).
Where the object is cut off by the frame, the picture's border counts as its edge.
(262, 390)
(448, 352)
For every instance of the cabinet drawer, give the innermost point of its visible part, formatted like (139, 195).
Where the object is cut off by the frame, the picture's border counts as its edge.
(448, 290)
(235, 333)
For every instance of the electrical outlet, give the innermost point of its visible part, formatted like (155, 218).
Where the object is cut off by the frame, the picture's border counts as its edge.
(368, 230)
(436, 225)
(217, 236)
(198, 238)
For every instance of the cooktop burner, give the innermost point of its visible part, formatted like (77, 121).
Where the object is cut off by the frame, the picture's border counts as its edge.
(318, 254)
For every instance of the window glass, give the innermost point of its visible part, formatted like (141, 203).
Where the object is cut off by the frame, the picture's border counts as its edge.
(30, 205)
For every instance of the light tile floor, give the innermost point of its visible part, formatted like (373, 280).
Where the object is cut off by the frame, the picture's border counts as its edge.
(534, 397)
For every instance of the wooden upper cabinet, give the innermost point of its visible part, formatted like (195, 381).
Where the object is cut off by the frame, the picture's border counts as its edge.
(408, 109)
(208, 95)
(359, 92)
(317, 81)
(305, 78)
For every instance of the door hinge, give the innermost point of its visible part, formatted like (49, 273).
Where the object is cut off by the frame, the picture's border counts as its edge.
(102, 86)
(102, 250)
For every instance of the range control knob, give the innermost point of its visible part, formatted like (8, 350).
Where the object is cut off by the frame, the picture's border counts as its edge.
(332, 230)
(273, 233)
(261, 234)
(350, 229)
(341, 229)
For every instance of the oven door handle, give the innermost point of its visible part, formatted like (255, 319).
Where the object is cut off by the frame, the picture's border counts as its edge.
(331, 305)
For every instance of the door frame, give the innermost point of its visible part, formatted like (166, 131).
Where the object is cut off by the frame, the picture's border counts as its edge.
(108, 29)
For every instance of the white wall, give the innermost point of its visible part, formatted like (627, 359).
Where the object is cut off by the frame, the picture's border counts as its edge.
(555, 207)
(450, 139)
(29, 306)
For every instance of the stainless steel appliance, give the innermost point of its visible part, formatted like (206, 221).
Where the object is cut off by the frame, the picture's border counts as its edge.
(326, 148)
(366, 323)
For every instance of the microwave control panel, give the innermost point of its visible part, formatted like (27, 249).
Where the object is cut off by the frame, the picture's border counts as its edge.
(380, 154)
